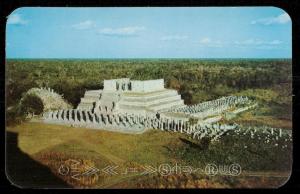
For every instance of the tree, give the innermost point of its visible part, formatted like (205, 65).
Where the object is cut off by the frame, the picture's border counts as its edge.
(31, 104)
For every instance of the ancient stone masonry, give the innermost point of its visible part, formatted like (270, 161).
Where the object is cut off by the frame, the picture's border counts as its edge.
(264, 133)
(214, 107)
(131, 96)
(51, 100)
(122, 122)
(133, 106)
(130, 123)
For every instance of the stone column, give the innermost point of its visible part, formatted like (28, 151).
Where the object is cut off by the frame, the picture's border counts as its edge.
(100, 118)
(161, 124)
(105, 119)
(75, 116)
(280, 132)
(94, 118)
(50, 115)
(177, 125)
(113, 121)
(173, 125)
(118, 119)
(59, 115)
(89, 116)
(167, 124)
(71, 115)
(64, 115)
(148, 122)
(126, 86)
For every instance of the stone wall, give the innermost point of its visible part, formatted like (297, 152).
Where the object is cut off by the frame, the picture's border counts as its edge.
(147, 86)
(124, 84)
(51, 100)
(215, 107)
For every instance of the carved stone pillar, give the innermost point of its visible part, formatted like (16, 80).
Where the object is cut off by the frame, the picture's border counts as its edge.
(75, 116)
(94, 118)
(64, 115)
(50, 115)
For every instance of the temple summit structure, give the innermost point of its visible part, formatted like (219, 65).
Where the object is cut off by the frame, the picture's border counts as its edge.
(131, 96)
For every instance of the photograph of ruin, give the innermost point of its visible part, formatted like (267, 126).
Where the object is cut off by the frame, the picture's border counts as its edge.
(147, 99)
(134, 106)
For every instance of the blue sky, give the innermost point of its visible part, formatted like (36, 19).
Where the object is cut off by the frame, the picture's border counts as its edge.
(232, 32)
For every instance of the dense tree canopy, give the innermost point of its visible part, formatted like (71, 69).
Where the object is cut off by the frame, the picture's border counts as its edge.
(193, 78)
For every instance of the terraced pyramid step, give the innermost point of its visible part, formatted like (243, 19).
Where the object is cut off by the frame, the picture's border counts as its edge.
(149, 102)
(169, 104)
(125, 95)
(149, 96)
(155, 106)
(90, 97)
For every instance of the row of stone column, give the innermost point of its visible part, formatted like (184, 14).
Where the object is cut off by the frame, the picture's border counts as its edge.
(51, 92)
(47, 89)
(211, 130)
(123, 85)
(126, 120)
(214, 104)
(130, 121)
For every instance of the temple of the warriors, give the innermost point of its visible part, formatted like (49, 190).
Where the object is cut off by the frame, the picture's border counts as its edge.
(133, 106)
(131, 96)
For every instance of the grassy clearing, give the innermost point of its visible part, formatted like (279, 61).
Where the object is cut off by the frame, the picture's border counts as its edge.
(53, 145)
(274, 107)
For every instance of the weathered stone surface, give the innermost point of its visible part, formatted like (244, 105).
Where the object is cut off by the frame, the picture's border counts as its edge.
(131, 96)
(132, 106)
(51, 100)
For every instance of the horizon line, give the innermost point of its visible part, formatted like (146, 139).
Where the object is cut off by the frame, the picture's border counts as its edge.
(150, 58)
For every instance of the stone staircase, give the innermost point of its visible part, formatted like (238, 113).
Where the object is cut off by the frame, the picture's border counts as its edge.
(153, 101)
(90, 97)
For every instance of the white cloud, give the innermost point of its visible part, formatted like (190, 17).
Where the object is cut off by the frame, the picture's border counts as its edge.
(16, 19)
(173, 37)
(249, 42)
(260, 44)
(253, 43)
(211, 43)
(271, 47)
(125, 31)
(85, 25)
(205, 40)
(257, 42)
(280, 19)
(275, 42)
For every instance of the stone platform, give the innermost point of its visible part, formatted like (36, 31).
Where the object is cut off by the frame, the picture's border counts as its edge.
(131, 96)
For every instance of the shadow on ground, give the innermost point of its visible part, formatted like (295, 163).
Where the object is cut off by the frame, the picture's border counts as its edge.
(202, 145)
(24, 172)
